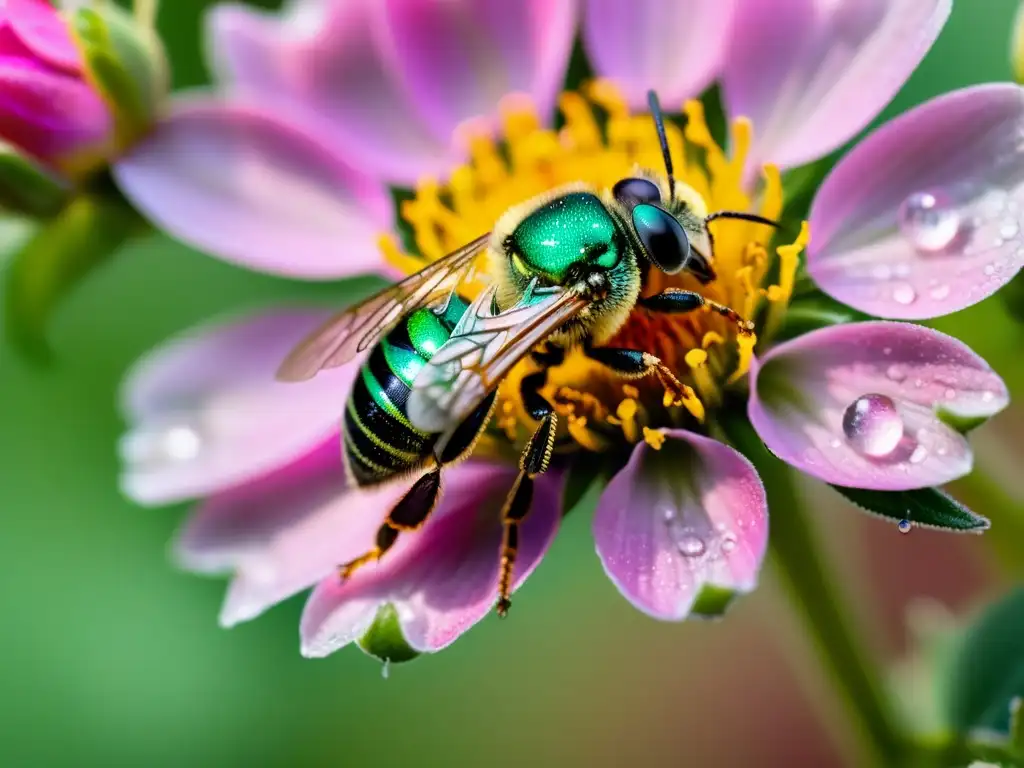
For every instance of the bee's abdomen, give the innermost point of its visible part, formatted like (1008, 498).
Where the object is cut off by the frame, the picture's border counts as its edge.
(379, 440)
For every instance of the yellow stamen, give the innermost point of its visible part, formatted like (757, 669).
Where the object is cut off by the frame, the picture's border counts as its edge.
(626, 417)
(789, 262)
(654, 437)
(697, 360)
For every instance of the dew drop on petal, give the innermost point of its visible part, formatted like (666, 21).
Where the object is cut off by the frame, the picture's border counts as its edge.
(928, 221)
(904, 293)
(939, 292)
(920, 454)
(1009, 229)
(904, 526)
(872, 425)
(728, 542)
(896, 373)
(691, 546)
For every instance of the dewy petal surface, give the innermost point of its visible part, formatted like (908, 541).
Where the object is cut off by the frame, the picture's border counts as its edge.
(877, 246)
(812, 73)
(675, 48)
(444, 578)
(458, 58)
(205, 412)
(319, 60)
(801, 390)
(254, 189)
(674, 520)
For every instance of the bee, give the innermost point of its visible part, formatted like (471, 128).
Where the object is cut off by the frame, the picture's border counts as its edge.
(568, 268)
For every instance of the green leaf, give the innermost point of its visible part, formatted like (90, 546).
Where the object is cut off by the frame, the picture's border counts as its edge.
(384, 639)
(1017, 725)
(60, 255)
(712, 602)
(926, 507)
(1012, 295)
(987, 674)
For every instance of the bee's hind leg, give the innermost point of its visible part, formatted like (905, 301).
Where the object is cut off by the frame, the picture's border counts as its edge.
(410, 513)
(676, 301)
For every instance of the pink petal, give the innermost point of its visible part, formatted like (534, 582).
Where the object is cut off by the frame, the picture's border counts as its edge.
(443, 579)
(675, 48)
(205, 412)
(320, 526)
(812, 73)
(44, 32)
(801, 390)
(254, 189)
(458, 58)
(47, 113)
(319, 62)
(674, 520)
(872, 246)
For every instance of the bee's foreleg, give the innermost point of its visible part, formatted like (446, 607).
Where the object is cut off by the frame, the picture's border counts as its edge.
(534, 461)
(410, 513)
(675, 301)
(634, 364)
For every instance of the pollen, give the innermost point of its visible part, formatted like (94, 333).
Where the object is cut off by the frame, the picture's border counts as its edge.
(695, 357)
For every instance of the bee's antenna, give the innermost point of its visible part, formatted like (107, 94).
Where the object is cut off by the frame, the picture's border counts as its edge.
(659, 125)
(743, 216)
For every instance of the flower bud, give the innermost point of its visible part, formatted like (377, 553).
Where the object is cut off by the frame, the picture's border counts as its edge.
(48, 108)
(384, 639)
(125, 61)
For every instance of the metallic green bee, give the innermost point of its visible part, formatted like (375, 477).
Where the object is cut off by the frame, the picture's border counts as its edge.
(568, 268)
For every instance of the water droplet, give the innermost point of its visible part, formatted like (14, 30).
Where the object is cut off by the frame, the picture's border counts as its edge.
(835, 442)
(904, 293)
(385, 669)
(901, 270)
(918, 383)
(950, 394)
(881, 271)
(728, 542)
(904, 526)
(691, 546)
(987, 397)
(939, 292)
(1009, 229)
(990, 269)
(181, 443)
(896, 372)
(920, 454)
(887, 351)
(872, 425)
(929, 221)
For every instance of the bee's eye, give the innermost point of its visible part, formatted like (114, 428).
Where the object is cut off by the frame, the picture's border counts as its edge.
(663, 237)
(632, 192)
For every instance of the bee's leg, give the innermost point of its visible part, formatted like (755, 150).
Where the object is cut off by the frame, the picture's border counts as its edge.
(410, 513)
(413, 509)
(634, 364)
(675, 301)
(534, 461)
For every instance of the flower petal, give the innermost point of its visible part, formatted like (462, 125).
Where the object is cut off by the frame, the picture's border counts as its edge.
(205, 412)
(44, 32)
(313, 527)
(691, 514)
(801, 392)
(925, 216)
(251, 188)
(319, 61)
(676, 49)
(812, 73)
(443, 579)
(458, 58)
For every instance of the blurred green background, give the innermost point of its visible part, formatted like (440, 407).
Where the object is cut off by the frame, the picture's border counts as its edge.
(111, 657)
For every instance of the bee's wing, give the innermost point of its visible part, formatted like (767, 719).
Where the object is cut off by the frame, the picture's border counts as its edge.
(349, 332)
(483, 347)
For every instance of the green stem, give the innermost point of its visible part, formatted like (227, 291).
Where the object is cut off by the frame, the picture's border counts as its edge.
(815, 595)
(987, 497)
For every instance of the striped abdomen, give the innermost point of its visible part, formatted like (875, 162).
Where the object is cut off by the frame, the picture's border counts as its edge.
(379, 440)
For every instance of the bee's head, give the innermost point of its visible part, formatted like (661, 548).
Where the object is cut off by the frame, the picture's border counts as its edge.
(659, 233)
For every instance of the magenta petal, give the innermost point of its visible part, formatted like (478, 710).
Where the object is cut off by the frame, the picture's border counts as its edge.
(458, 58)
(205, 412)
(44, 32)
(674, 520)
(801, 390)
(812, 73)
(877, 247)
(254, 189)
(319, 61)
(442, 579)
(674, 48)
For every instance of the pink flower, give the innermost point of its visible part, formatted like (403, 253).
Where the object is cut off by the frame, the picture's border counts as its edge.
(48, 109)
(325, 104)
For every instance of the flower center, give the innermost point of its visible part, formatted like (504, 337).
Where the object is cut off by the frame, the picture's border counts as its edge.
(704, 350)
